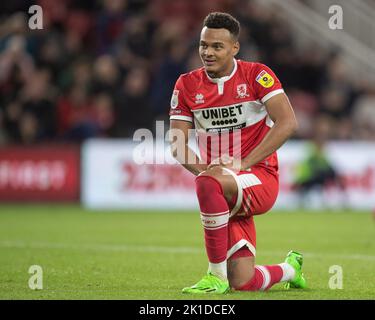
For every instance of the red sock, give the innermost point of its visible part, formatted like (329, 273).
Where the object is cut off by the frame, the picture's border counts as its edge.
(264, 278)
(214, 216)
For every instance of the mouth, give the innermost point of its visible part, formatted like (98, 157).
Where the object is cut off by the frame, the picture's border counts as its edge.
(209, 62)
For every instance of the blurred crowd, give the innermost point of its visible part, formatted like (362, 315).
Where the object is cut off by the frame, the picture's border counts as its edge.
(106, 68)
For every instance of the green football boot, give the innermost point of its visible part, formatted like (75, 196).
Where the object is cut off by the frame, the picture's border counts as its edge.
(208, 284)
(295, 259)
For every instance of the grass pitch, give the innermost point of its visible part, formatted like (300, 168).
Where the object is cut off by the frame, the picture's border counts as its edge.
(152, 255)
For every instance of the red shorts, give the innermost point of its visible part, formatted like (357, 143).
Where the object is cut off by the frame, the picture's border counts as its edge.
(257, 193)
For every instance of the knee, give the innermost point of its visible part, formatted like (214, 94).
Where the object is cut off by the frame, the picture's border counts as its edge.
(206, 185)
(210, 177)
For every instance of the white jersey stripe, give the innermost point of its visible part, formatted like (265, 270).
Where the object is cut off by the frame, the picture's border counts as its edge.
(239, 245)
(271, 94)
(248, 180)
(184, 118)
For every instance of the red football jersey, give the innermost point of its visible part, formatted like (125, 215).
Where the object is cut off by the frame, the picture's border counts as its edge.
(228, 113)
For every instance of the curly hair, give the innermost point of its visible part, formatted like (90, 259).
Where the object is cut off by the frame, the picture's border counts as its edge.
(218, 20)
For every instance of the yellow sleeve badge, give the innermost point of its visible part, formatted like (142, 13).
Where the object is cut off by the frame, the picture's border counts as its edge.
(265, 79)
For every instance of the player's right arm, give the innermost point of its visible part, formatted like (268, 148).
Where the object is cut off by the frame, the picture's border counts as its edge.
(181, 121)
(179, 137)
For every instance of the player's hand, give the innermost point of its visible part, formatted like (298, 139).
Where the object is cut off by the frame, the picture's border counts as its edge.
(223, 161)
(228, 162)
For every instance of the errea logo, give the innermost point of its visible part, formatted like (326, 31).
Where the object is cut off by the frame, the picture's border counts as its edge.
(208, 221)
(199, 98)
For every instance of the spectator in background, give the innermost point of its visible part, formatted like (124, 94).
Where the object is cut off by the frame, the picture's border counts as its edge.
(30, 116)
(16, 66)
(50, 56)
(29, 128)
(3, 133)
(305, 108)
(134, 47)
(104, 114)
(76, 120)
(37, 96)
(106, 75)
(97, 47)
(11, 117)
(173, 64)
(110, 24)
(137, 37)
(133, 109)
(81, 74)
(315, 172)
(364, 116)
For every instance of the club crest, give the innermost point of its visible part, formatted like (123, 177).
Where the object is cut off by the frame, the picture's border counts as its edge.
(242, 91)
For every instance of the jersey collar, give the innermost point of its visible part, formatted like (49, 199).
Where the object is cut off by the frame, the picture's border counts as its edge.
(225, 78)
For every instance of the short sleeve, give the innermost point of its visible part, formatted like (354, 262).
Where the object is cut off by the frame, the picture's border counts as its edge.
(179, 109)
(266, 83)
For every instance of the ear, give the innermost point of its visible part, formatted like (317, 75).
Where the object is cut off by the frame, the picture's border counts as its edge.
(236, 48)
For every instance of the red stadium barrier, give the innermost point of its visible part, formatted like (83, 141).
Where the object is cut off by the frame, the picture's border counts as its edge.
(46, 173)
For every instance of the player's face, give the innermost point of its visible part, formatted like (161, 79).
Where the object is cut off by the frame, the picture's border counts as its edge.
(217, 48)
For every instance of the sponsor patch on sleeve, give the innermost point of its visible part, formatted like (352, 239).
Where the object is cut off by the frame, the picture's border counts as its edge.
(265, 79)
(174, 99)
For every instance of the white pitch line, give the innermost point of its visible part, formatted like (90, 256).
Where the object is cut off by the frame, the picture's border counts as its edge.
(315, 255)
(98, 247)
(164, 249)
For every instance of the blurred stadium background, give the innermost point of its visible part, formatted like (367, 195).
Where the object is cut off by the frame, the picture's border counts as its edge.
(73, 94)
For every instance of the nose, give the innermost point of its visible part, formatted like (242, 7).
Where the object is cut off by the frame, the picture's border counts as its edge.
(207, 52)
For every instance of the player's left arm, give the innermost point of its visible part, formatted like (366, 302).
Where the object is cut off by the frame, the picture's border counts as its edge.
(285, 124)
